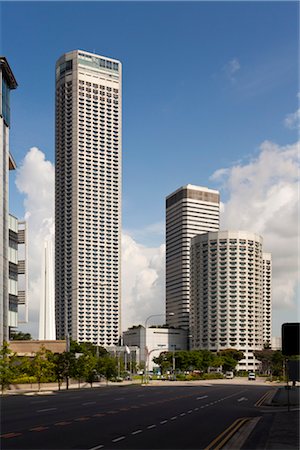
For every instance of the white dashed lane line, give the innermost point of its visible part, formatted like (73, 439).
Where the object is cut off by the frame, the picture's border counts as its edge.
(151, 426)
(97, 448)
(203, 396)
(163, 422)
(46, 410)
(137, 432)
(173, 418)
(118, 439)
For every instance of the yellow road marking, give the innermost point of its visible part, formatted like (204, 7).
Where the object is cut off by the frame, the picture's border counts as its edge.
(264, 397)
(223, 437)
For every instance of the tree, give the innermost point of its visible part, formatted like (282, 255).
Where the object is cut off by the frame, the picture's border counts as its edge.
(265, 357)
(20, 336)
(8, 368)
(107, 366)
(42, 367)
(230, 358)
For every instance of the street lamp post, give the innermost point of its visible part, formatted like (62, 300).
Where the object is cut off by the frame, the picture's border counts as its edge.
(147, 353)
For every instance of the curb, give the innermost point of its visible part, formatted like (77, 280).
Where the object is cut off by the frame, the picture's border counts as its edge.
(241, 435)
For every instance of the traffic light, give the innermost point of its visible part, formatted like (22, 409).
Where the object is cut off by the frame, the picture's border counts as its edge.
(290, 339)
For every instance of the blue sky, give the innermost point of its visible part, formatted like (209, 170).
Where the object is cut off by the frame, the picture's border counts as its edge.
(185, 114)
(205, 84)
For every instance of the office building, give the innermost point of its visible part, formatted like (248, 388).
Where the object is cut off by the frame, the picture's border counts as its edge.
(227, 293)
(190, 210)
(88, 197)
(7, 83)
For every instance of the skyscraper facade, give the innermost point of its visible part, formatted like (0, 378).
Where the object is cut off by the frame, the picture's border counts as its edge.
(190, 210)
(267, 299)
(227, 293)
(7, 83)
(88, 197)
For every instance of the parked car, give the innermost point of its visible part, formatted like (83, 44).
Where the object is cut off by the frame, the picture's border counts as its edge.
(251, 376)
(229, 375)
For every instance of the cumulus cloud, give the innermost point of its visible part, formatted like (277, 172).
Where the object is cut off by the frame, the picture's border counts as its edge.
(292, 121)
(263, 197)
(231, 68)
(143, 281)
(35, 180)
(142, 267)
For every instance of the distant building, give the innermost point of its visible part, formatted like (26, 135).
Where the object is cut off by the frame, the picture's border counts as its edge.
(267, 299)
(190, 210)
(47, 306)
(88, 198)
(230, 307)
(7, 304)
(30, 348)
(276, 343)
(154, 340)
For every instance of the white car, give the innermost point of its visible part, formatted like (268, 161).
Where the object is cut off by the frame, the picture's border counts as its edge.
(229, 375)
(251, 376)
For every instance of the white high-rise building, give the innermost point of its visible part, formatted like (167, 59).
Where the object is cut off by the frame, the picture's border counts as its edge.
(7, 304)
(190, 210)
(267, 296)
(227, 293)
(88, 197)
(47, 306)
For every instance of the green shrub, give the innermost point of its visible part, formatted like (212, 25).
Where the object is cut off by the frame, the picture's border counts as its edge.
(24, 379)
(212, 376)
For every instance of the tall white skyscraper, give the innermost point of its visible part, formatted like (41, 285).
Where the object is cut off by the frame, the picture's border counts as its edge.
(88, 197)
(190, 210)
(228, 292)
(47, 309)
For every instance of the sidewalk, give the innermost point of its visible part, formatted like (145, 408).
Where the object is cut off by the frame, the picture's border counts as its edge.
(278, 425)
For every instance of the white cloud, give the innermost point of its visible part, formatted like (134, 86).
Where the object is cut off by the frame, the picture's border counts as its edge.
(231, 68)
(143, 281)
(263, 197)
(35, 180)
(292, 121)
(143, 267)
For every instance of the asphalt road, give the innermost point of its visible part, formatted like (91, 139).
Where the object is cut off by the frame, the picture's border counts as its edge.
(131, 417)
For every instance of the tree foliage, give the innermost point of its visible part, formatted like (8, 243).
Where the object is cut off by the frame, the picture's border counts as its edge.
(8, 368)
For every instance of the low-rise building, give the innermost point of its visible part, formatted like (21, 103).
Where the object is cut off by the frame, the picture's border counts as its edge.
(154, 340)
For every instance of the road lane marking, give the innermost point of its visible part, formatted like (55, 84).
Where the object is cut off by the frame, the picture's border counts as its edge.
(173, 418)
(118, 439)
(264, 398)
(189, 411)
(41, 428)
(196, 409)
(62, 424)
(81, 419)
(183, 414)
(88, 403)
(242, 399)
(46, 410)
(203, 396)
(137, 432)
(223, 437)
(97, 448)
(163, 422)
(10, 435)
(99, 415)
(151, 426)
(112, 412)
(120, 398)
